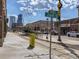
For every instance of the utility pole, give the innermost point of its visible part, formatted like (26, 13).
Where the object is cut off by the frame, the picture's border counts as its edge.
(78, 16)
(59, 18)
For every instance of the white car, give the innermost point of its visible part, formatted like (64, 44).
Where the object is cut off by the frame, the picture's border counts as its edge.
(54, 32)
(73, 34)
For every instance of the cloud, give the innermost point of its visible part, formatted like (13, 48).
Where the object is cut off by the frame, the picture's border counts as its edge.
(66, 3)
(22, 1)
(69, 3)
(24, 4)
(50, 1)
(50, 7)
(31, 5)
(23, 8)
(34, 13)
(34, 2)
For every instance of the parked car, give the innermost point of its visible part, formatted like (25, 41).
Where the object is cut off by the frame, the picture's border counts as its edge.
(54, 32)
(38, 32)
(73, 34)
(45, 32)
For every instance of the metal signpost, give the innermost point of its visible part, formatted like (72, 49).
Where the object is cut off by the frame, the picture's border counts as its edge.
(47, 30)
(52, 14)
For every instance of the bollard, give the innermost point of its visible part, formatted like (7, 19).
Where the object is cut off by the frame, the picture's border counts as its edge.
(32, 41)
(47, 36)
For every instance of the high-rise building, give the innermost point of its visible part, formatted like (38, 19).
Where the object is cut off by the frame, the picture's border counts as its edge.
(19, 21)
(12, 22)
(3, 15)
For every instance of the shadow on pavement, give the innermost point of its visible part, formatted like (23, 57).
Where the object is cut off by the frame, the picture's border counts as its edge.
(23, 34)
(73, 46)
(68, 48)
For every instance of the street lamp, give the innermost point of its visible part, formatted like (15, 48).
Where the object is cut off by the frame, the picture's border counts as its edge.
(59, 18)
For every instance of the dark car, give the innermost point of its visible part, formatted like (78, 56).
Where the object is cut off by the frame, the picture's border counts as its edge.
(45, 32)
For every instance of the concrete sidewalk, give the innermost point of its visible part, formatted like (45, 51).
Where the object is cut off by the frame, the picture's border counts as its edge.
(15, 47)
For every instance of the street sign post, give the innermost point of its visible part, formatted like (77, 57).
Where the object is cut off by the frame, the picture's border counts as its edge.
(52, 14)
(59, 19)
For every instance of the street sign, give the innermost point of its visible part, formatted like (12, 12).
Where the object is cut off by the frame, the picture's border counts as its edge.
(51, 13)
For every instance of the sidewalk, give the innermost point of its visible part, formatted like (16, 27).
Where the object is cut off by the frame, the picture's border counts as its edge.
(15, 47)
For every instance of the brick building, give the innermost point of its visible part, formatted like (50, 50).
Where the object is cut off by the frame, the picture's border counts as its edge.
(39, 25)
(2, 20)
(66, 25)
(70, 25)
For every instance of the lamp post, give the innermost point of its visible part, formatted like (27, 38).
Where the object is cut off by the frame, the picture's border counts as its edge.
(59, 18)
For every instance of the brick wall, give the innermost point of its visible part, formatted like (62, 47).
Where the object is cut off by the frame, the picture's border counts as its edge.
(2, 18)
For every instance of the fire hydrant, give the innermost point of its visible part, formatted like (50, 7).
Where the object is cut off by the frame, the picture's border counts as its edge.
(32, 41)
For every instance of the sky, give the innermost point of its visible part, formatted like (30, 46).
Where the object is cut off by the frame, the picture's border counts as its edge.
(34, 10)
